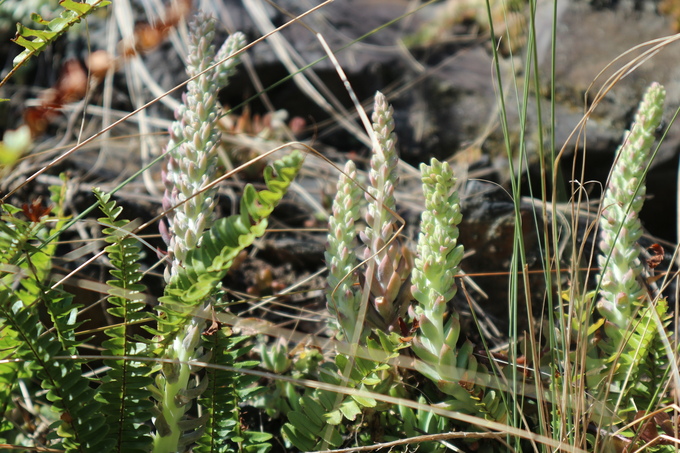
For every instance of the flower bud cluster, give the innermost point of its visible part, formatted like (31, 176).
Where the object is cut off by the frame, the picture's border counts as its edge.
(392, 263)
(194, 138)
(437, 264)
(343, 295)
(620, 227)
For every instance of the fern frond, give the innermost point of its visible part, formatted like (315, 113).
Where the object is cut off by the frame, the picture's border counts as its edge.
(38, 262)
(653, 366)
(73, 13)
(26, 250)
(632, 371)
(80, 427)
(10, 372)
(226, 389)
(64, 313)
(16, 236)
(26, 267)
(308, 429)
(124, 392)
(323, 419)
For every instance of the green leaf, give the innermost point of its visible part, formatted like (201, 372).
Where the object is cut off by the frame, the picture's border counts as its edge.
(312, 408)
(68, 390)
(305, 424)
(371, 380)
(300, 442)
(334, 417)
(350, 410)
(333, 438)
(124, 392)
(365, 401)
(258, 436)
(327, 399)
(14, 144)
(73, 13)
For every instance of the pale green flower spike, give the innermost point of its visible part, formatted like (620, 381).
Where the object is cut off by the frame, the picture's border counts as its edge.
(191, 167)
(392, 263)
(620, 227)
(453, 369)
(436, 266)
(343, 296)
(195, 139)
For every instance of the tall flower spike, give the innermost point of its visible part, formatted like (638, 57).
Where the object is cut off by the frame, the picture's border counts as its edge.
(439, 256)
(454, 370)
(392, 263)
(343, 297)
(436, 266)
(620, 227)
(194, 138)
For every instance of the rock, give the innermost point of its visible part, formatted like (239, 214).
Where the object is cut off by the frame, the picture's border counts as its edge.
(590, 35)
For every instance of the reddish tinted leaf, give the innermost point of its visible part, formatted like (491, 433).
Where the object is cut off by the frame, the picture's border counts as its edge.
(415, 326)
(647, 432)
(72, 83)
(37, 118)
(403, 327)
(66, 417)
(35, 210)
(657, 256)
(664, 421)
(212, 329)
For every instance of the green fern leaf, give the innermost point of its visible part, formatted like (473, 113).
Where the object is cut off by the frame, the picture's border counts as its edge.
(10, 373)
(81, 428)
(226, 389)
(306, 432)
(300, 441)
(124, 392)
(72, 14)
(24, 275)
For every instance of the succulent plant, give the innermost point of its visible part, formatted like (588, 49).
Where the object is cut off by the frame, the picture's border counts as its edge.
(620, 226)
(194, 138)
(343, 297)
(438, 261)
(392, 261)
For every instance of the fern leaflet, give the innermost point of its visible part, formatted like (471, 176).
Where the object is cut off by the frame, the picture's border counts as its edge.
(124, 392)
(72, 14)
(80, 426)
(226, 389)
